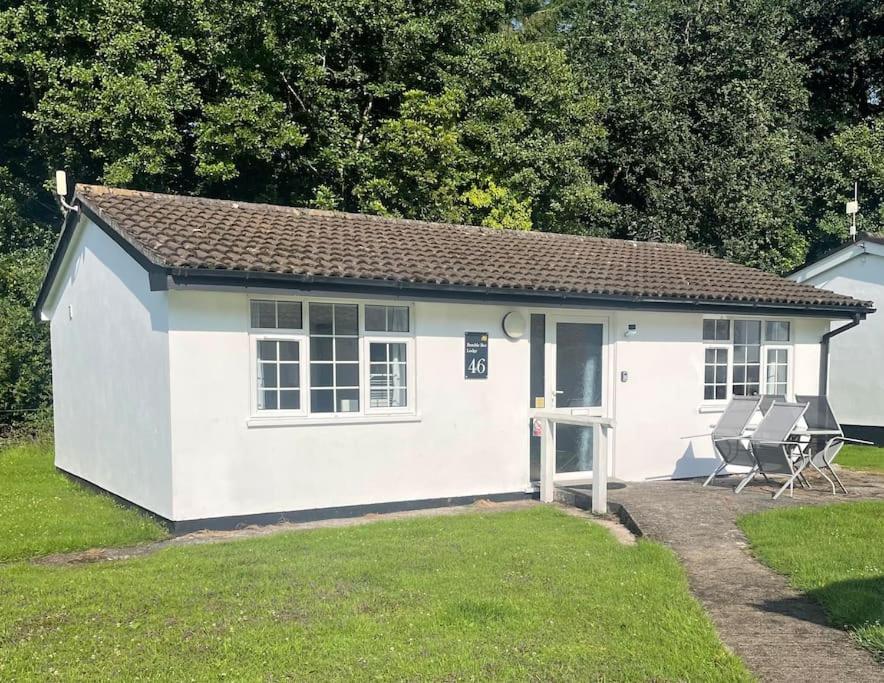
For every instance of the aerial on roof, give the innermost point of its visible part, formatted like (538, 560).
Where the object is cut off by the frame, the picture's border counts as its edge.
(196, 236)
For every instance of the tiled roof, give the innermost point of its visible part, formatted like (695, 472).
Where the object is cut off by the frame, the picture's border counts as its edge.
(179, 232)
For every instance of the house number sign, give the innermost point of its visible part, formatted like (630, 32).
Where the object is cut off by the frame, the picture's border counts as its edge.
(475, 358)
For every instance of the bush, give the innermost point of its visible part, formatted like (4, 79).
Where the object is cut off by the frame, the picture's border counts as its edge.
(25, 367)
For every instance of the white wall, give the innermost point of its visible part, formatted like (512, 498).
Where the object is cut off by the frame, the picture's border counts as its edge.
(856, 360)
(661, 402)
(110, 372)
(469, 437)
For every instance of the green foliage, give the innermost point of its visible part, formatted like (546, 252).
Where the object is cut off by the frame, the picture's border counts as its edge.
(43, 512)
(511, 596)
(703, 110)
(833, 553)
(25, 369)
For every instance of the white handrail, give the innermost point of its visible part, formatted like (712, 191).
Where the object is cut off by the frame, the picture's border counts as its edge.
(600, 426)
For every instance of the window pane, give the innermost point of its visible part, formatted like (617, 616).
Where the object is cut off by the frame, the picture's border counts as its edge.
(320, 318)
(377, 352)
(289, 313)
(721, 374)
(321, 348)
(752, 372)
(267, 375)
(290, 400)
(776, 330)
(397, 352)
(721, 392)
(710, 355)
(347, 400)
(346, 375)
(378, 373)
(397, 318)
(269, 402)
(289, 375)
(709, 393)
(739, 373)
(321, 375)
(722, 330)
(346, 319)
(266, 350)
(346, 349)
(263, 314)
(322, 401)
(375, 319)
(288, 350)
(710, 374)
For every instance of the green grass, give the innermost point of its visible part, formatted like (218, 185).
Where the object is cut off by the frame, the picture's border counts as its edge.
(519, 595)
(835, 554)
(868, 458)
(42, 512)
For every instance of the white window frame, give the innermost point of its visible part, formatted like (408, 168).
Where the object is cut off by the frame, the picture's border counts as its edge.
(728, 348)
(779, 346)
(304, 414)
(257, 335)
(765, 345)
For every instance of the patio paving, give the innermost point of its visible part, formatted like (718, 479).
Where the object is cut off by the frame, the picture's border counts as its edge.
(780, 635)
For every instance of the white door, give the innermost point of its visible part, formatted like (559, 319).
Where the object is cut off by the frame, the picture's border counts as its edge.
(577, 358)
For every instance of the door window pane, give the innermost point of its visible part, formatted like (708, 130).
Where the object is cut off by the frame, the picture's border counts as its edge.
(573, 448)
(578, 365)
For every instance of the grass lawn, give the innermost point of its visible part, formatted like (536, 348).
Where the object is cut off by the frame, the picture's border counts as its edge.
(869, 458)
(833, 553)
(42, 512)
(521, 595)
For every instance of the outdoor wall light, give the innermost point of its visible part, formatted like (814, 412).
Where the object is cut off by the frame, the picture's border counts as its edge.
(514, 325)
(631, 329)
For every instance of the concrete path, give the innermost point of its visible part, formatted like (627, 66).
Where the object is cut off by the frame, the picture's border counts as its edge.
(778, 633)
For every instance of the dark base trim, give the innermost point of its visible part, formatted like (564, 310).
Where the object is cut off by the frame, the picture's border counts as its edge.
(295, 516)
(865, 433)
(95, 488)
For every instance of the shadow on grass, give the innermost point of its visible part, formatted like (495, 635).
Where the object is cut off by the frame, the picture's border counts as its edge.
(854, 604)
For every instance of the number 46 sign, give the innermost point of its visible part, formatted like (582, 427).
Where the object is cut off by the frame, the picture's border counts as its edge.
(476, 355)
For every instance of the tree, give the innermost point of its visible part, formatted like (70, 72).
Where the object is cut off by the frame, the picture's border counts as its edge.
(703, 106)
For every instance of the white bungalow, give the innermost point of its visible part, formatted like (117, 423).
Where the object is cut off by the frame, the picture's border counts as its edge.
(217, 362)
(856, 387)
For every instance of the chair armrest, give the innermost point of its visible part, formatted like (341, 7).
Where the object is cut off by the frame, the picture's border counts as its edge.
(696, 436)
(847, 440)
(774, 443)
(731, 438)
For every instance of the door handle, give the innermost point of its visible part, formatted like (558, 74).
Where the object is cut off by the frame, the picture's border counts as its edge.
(558, 391)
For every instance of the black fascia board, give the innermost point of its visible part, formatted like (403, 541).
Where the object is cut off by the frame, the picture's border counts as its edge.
(199, 278)
(157, 274)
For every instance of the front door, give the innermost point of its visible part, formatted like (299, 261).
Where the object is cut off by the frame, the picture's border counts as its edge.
(578, 362)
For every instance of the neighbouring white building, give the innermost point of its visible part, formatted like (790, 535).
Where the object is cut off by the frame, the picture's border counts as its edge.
(856, 385)
(218, 362)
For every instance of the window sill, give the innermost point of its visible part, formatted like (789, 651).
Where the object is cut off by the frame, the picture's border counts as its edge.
(315, 421)
(712, 408)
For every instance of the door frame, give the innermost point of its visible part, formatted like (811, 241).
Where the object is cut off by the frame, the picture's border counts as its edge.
(552, 321)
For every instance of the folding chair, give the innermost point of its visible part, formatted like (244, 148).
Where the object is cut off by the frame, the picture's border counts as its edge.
(768, 400)
(771, 448)
(823, 448)
(728, 438)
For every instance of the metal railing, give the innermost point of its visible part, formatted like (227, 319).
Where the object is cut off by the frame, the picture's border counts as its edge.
(600, 428)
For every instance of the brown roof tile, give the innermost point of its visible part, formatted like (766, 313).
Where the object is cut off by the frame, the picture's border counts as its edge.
(194, 233)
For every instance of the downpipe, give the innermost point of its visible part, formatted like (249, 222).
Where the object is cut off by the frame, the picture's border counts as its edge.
(824, 350)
